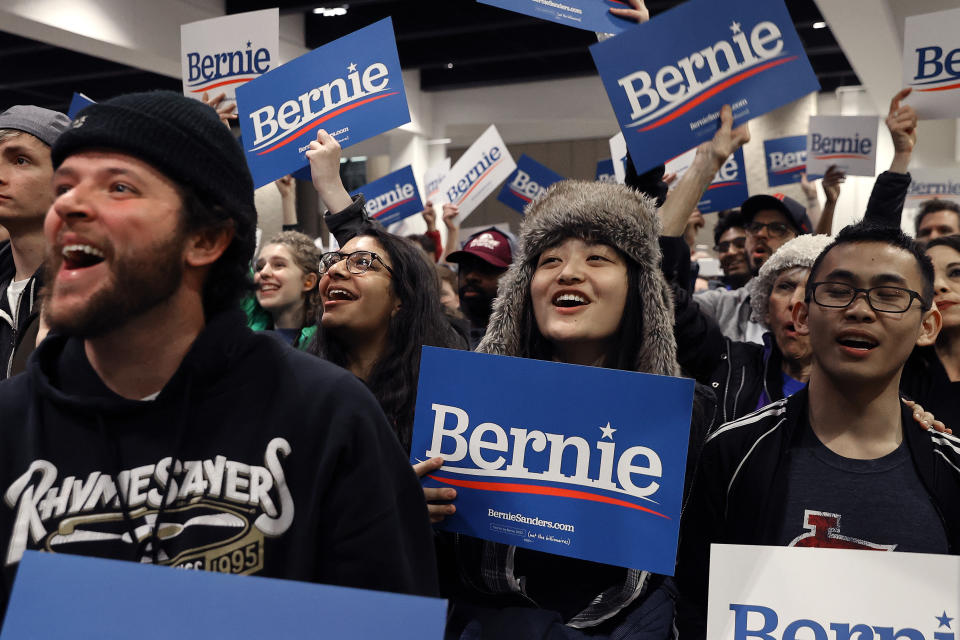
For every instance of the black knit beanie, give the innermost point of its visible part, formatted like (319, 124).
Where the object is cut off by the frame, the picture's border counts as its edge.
(182, 138)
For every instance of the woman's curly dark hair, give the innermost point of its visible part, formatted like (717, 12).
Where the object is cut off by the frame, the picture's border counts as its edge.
(419, 321)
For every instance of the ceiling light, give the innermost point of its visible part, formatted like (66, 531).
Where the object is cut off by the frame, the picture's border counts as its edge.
(436, 141)
(449, 65)
(331, 11)
(819, 25)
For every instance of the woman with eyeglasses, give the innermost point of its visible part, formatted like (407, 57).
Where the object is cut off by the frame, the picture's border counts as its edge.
(380, 300)
(285, 300)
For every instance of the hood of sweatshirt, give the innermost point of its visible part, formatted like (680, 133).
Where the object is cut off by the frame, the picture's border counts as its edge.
(609, 213)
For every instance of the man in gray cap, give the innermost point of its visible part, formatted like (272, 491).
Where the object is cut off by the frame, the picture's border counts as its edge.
(26, 135)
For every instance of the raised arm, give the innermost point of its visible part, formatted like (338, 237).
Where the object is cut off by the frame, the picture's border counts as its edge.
(885, 206)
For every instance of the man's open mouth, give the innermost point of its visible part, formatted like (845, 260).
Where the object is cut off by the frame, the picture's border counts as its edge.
(859, 343)
(81, 256)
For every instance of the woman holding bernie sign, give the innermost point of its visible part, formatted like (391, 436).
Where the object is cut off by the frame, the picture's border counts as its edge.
(380, 299)
(585, 288)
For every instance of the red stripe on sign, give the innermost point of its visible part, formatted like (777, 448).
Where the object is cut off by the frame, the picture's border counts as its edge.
(520, 195)
(722, 184)
(221, 84)
(946, 88)
(505, 487)
(782, 171)
(393, 206)
(479, 180)
(838, 155)
(299, 132)
(709, 93)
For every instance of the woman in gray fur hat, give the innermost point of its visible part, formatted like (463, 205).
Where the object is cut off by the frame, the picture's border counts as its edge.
(585, 287)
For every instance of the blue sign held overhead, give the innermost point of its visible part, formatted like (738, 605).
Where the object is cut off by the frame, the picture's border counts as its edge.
(528, 181)
(78, 102)
(393, 197)
(605, 171)
(203, 604)
(351, 87)
(729, 186)
(786, 160)
(576, 461)
(667, 79)
(592, 15)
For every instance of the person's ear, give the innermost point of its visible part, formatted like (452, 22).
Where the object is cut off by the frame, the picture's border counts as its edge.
(930, 327)
(800, 315)
(205, 246)
(310, 281)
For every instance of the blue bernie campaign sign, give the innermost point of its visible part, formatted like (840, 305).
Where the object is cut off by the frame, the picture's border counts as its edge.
(729, 186)
(571, 460)
(592, 15)
(352, 87)
(668, 78)
(528, 181)
(393, 197)
(78, 102)
(605, 171)
(786, 160)
(65, 596)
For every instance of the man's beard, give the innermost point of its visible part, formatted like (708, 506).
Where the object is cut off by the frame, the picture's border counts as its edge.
(136, 285)
(476, 308)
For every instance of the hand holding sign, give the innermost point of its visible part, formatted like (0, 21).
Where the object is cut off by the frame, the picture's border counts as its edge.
(226, 111)
(638, 13)
(437, 512)
(726, 140)
(324, 157)
(831, 183)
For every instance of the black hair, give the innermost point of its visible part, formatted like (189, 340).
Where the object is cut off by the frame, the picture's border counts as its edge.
(425, 242)
(419, 321)
(229, 277)
(945, 241)
(893, 236)
(623, 352)
(727, 220)
(932, 206)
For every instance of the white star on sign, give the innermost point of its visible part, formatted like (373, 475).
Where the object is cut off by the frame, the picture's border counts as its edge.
(607, 432)
(735, 27)
(352, 67)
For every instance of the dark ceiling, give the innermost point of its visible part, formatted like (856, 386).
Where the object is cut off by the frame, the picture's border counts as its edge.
(454, 43)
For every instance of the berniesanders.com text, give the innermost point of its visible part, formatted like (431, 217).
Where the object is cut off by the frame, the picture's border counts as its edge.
(518, 517)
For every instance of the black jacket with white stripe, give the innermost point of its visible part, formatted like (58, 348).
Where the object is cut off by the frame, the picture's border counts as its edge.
(738, 493)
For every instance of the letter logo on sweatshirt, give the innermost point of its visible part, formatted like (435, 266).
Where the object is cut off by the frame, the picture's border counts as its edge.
(212, 514)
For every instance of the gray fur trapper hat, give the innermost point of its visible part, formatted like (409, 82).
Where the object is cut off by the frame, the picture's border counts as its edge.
(802, 251)
(612, 214)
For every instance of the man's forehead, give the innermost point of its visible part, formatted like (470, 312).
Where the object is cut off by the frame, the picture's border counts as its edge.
(733, 232)
(15, 139)
(770, 215)
(940, 217)
(868, 263)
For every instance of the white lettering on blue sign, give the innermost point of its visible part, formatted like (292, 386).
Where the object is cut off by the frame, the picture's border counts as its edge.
(524, 186)
(675, 84)
(779, 160)
(272, 124)
(394, 196)
(616, 472)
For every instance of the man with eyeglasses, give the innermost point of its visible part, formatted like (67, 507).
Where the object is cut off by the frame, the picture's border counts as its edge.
(840, 464)
(730, 241)
(769, 223)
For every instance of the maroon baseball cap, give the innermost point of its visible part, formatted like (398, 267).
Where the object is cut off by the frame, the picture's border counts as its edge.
(490, 245)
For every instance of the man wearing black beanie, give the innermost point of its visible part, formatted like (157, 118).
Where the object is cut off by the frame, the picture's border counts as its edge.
(152, 425)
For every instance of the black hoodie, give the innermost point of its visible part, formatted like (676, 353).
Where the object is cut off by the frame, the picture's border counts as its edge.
(287, 468)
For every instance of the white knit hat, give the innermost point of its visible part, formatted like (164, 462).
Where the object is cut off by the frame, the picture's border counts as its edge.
(802, 251)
